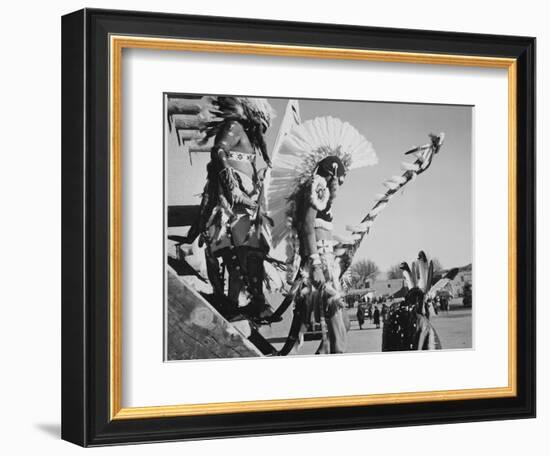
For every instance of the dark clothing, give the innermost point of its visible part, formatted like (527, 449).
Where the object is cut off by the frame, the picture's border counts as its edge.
(406, 328)
(229, 221)
(361, 315)
(376, 317)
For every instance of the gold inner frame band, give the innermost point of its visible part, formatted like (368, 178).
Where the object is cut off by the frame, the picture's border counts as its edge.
(117, 44)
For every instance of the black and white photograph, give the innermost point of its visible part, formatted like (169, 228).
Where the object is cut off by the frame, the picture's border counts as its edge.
(240, 228)
(315, 227)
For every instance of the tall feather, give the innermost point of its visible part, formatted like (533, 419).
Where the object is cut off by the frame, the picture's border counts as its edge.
(279, 179)
(422, 266)
(414, 273)
(430, 276)
(407, 275)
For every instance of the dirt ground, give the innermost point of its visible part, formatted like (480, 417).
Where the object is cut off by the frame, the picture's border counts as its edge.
(454, 328)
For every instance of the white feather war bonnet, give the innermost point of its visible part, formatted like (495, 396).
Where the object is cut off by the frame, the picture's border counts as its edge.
(303, 148)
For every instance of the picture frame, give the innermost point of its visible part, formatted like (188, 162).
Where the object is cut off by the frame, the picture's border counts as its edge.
(92, 366)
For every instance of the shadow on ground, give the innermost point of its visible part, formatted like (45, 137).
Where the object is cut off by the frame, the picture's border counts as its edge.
(51, 429)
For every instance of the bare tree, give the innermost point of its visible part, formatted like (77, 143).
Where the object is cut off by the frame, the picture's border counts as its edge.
(437, 264)
(362, 271)
(395, 272)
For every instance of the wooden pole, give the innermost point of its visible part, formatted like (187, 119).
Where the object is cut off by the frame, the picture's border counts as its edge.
(182, 106)
(188, 122)
(189, 135)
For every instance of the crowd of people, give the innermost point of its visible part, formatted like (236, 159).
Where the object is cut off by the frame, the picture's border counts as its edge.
(375, 310)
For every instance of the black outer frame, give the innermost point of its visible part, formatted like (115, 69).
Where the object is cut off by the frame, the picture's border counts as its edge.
(85, 227)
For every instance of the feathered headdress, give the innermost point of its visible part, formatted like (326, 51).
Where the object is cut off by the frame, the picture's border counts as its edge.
(256, 114)
(421, 276)
(259, 108)
(295, 162)
(242, 108)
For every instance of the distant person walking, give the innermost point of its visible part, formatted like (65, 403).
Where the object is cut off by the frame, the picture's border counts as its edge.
(361, 315)
(444, 302)
(376, 317)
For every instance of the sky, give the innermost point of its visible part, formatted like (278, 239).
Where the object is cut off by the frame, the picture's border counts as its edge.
(433, 213)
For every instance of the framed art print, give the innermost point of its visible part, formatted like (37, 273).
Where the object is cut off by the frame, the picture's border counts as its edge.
(274, 227)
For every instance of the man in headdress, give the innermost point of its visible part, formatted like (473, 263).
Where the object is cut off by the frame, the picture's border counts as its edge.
(408, 326)
(321, 295)
(310, 167)
(230, 220)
